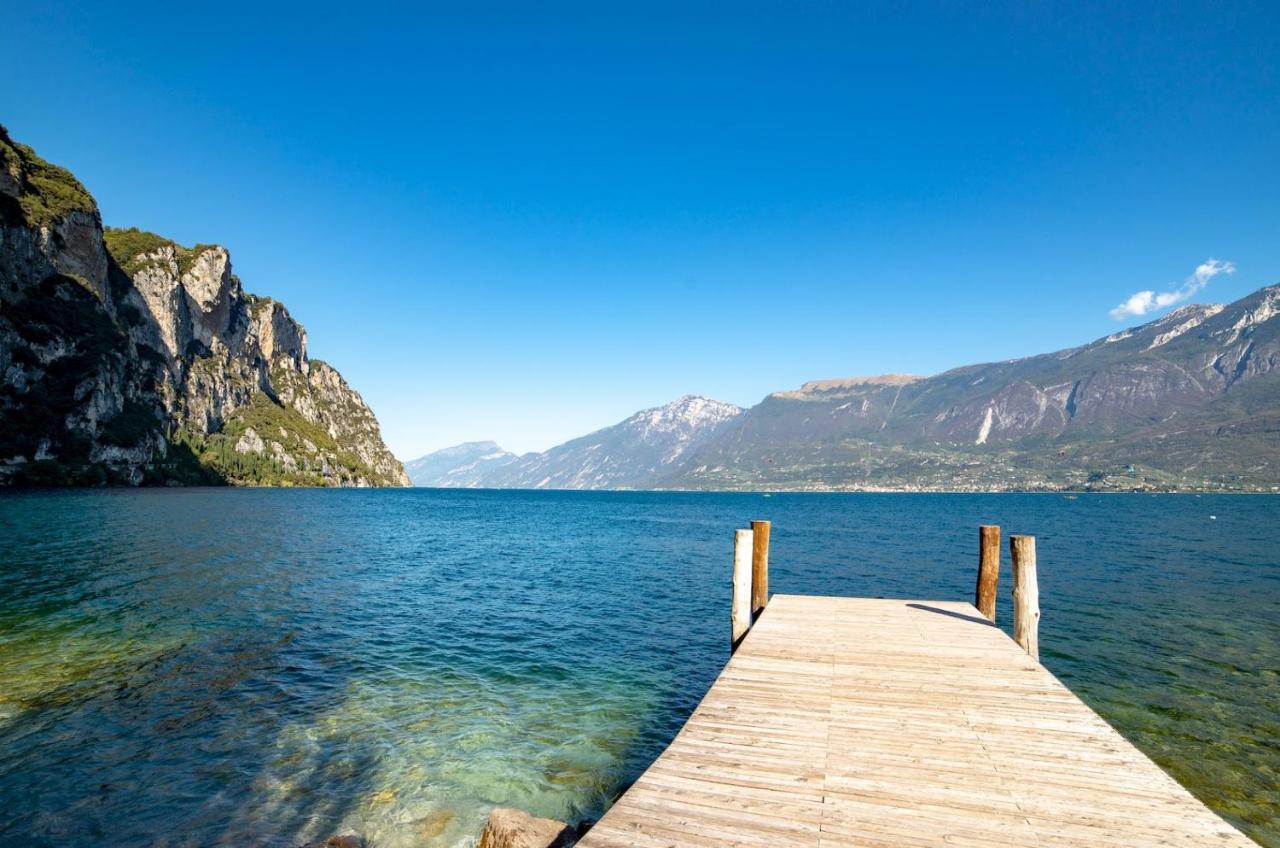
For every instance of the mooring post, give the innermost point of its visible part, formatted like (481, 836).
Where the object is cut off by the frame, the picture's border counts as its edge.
(759, 567)
(984, 597)
(1026, 595)
(740, 610)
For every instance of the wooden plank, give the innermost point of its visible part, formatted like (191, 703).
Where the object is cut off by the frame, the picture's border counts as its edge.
(740, 603)
(1026, 594)
(988, 570)
(759, 567)
(898, 724)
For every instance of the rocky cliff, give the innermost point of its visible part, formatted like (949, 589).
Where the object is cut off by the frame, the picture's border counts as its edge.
(127, 358)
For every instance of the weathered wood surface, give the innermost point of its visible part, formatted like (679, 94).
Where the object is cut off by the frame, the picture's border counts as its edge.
(759, 567)
(878, 723)
(740, 603)
(988, 570)
(1026, 594)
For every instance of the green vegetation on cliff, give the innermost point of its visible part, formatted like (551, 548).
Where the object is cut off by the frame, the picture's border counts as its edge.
(269, 444)
(128, 245)
(47, 192)
(125, 245)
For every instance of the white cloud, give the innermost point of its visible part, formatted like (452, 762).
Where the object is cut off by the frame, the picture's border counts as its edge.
(1140, 303)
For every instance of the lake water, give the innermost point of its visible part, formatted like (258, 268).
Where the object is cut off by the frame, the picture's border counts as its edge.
(204, 667)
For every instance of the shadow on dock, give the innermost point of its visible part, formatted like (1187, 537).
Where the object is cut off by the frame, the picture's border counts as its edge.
(976, 619)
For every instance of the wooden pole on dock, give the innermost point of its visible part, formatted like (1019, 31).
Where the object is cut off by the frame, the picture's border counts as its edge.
(759, 567)
(984, 596)
(740, 611)
(1026, 595)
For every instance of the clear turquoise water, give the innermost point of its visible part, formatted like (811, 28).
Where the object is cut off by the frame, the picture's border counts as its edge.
(204, 667)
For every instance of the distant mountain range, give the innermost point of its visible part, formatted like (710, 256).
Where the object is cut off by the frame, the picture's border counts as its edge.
(639, 452)
(1190, 401)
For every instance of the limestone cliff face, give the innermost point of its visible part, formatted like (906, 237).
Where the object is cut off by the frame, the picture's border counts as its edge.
(125, 357)
(71, 384)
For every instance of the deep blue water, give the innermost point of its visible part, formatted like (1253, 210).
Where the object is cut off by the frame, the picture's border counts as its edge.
(203, 667)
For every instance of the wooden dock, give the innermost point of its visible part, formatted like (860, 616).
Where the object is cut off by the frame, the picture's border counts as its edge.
(878, 723)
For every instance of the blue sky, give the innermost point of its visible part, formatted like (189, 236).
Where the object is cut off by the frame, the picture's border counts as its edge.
(523, 224)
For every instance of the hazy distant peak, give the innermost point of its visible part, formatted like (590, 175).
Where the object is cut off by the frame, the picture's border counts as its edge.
(461, 465)
(687, 412)
(471, 447)
(634, 453)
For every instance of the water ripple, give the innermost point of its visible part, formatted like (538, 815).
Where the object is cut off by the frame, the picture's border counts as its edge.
(210, 667)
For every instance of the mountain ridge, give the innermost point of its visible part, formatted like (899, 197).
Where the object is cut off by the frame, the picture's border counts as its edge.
(1188, 401)
(628, 455)
(1084, 417)
(459, 466)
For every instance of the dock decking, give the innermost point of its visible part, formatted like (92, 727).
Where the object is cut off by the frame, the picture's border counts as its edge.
(878, 723)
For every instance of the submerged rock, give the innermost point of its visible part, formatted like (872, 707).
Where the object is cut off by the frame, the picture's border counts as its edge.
(508, 828)
(433, 825)
(348, 841)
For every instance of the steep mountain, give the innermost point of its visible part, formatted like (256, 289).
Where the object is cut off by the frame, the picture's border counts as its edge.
(127, 358)
(633, 454)
(461, 466)
(1188, 401)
